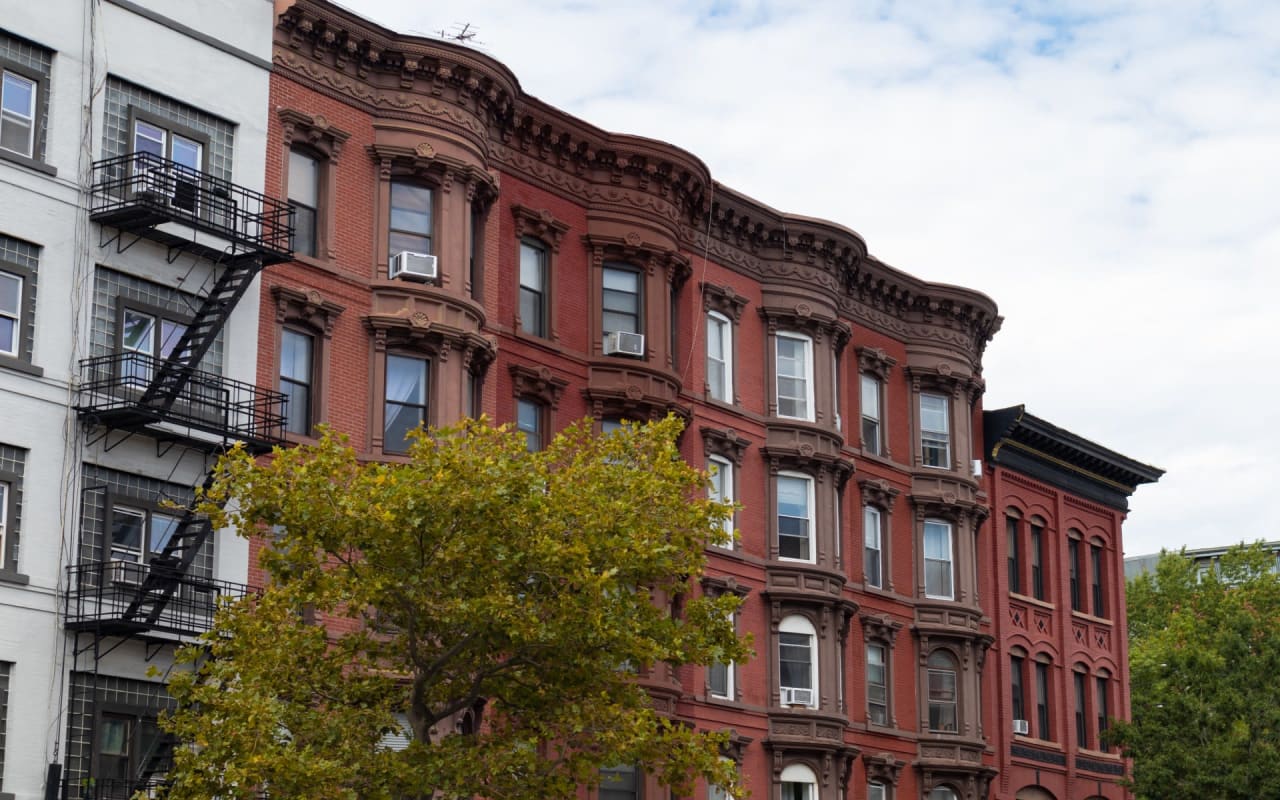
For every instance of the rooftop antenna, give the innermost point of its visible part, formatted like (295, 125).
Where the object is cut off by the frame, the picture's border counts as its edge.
(461, 32)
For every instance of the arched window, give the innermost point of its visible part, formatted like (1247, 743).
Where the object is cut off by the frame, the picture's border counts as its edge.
(943, 693)
(798, 662)
(942, 793)
(799, 783)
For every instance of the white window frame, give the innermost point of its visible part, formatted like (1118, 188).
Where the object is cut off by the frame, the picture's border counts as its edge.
(883, 653)
(17, 116)
(799, 775)
(876, 791)
(871, 387)
(15, 315)
(722, 327)
(932, 555)
(797, 625)
(5, 491)
(729, 670)
(873, 540)
(936, 439)
(721, 490)
(805, 413)
(810, 524)
(534, 257)
(715, 792)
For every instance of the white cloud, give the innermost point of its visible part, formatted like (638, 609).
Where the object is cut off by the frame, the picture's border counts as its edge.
(1105, 170)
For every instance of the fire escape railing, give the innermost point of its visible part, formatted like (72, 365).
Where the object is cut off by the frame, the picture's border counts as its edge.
(105, 595)
(142, 190)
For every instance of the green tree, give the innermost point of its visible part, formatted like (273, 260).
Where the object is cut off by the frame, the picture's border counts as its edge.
(478, 581)
(1204, 664)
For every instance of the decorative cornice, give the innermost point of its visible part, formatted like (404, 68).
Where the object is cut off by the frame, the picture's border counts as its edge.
(724, 300)
(714, 586)
(884, 767)
(724, 443)
(879, 626)
(307, 306)
(875, 361)
(417, 332)
(633, 248)
(315, 131)
(877, 492)
(538, 383)
(801, 318)
(422, 161)
(540, 224)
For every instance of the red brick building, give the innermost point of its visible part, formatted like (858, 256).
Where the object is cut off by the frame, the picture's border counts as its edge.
(463, 247)
(1060, 501)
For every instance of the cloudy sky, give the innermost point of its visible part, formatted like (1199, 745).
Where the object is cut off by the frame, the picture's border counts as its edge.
(1109, 172)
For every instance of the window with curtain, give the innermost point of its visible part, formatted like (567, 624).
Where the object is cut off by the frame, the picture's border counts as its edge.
(406, 401)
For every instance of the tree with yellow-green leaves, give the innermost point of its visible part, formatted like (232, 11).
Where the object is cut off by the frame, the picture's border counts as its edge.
(500, 601)
(1204, 665)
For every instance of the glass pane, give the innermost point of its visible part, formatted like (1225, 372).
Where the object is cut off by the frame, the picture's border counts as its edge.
(126, 529)
(10, 293)
(937, 541)
(304, 230)
(622, 281)
(297, 407)
(530, 311)
(16, 134)
(8, 336)
(407, 380)
(793, 496)
(188, 152)
(531, 267)
(400, 420)
(410, 209)
(139, 332)
(163, 526)
(529, 420)
(113, 740)
(933, 413)
(870, 397)
(303, 179)
(794, 658)
(619, 321)
(19, 95)
(295, 356)
(170, 333)
(148, 138)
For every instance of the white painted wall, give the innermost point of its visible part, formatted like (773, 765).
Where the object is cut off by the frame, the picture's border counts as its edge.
(34, 411)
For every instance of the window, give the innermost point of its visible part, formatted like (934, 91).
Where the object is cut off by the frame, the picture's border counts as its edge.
(621, 301)
(304, 197)
(154, 138)
(1082, 725)
(798, 783)
(720, 677)
(876, 791)
(406, 401)
(937, 560)
(721, 491)
(1100, 705)
(942, 692)
(1037, 561)
(1095, 577)
(715, 792)
(877, 685)
(138, 532)
(794, 376)
(797, 665)
(296, 365)
(935, 431)
(411, 219)
(619, 783)
(873, 552)
(533, 288)
(1017, 674)
(1015, 556)
(4, 520)
(18, 114)
(1042, 701)
(1073, 557)
(942, 793)
(871, 392)
(10, 313)
(529, 415)
(147, 337)
(795, 517)
(719, 357)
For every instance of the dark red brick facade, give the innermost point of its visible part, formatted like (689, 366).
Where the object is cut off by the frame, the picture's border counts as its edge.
(373, 108)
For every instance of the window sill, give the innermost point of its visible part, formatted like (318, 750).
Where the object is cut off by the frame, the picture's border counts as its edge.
(29, 163)
(1026, 598)
(1045, 744)
(19, 365)
(1085, 751)
(17, 579)
(1090, 618)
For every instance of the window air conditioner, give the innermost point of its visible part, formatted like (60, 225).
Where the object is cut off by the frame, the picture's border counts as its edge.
(1021, 727)
(125, 573)
(796, 697)
(413, 266)
(977, 468)
(624, 343)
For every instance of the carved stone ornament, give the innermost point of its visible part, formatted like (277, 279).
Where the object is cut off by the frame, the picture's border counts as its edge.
(877, 492)
(883, 767)
(425, 163)
(875, 361)
(634, 250)
(307, 306)
(315, 131)
(736, 747)
(714, 586)
(538, 383)
(724, 443)
(880, 627)
(418, 333)
(539, 224)
(425, 150)
(802, 319)
(724, 300)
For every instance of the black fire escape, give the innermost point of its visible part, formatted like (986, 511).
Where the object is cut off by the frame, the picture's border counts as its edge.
(170, 400)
